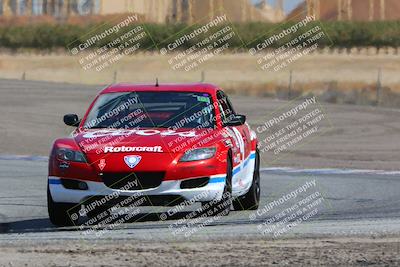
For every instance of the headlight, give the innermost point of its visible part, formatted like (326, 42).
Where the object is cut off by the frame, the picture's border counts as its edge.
(198, 154)
(70, 155)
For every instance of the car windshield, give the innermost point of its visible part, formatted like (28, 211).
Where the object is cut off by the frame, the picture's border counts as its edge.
(171, 110)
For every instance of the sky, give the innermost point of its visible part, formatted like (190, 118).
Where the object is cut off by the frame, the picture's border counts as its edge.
(289, 5)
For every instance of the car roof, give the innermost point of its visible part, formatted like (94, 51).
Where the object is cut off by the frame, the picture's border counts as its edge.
(188, 87)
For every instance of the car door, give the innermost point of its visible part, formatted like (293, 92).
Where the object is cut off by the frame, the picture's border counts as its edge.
(240, 133)
(242, 173)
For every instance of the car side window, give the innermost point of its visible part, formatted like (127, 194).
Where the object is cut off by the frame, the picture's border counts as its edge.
(221, 111)
(225, 107)
(229, 105)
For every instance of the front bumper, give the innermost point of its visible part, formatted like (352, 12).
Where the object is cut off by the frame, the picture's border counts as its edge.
(212, 191)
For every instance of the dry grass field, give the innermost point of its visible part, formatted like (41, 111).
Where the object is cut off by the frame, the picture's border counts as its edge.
(335, 77)
(228, 70)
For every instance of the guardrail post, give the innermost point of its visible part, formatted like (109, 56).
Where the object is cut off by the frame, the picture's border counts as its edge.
(115, 77)
(203, 76)
(290, 84)
(378, 86)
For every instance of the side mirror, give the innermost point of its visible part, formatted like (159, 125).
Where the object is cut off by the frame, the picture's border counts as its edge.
(71, 120)
(237, 120)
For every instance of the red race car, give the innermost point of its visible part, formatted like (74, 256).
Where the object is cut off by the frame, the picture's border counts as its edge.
(172, 144)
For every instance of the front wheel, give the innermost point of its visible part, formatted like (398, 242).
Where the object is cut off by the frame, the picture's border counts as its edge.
(61, 214)
(251, 200)
(223, 206)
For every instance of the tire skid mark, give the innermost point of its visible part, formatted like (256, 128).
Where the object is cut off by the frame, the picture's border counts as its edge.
(3, 226)
(24, 157)
(285, 170)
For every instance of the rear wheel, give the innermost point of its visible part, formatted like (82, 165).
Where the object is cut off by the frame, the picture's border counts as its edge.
(62, 214)
(251, 200)
(223, 206)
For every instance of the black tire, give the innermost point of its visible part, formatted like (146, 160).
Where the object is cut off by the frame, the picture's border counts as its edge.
(60, 213)
(223, 206)
(251, 200)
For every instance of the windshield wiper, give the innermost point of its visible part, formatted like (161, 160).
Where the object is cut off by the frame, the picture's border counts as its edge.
(101, 127)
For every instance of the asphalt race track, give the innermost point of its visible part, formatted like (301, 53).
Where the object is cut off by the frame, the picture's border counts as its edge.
(352, 202)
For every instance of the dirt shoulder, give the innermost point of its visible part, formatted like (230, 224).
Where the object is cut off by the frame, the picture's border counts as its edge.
(292, 252)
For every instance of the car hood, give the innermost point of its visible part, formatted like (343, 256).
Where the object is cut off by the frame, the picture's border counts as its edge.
(155, 140)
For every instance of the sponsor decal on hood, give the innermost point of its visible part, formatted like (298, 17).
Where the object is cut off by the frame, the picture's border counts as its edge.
(117, 149)
(148, 132)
